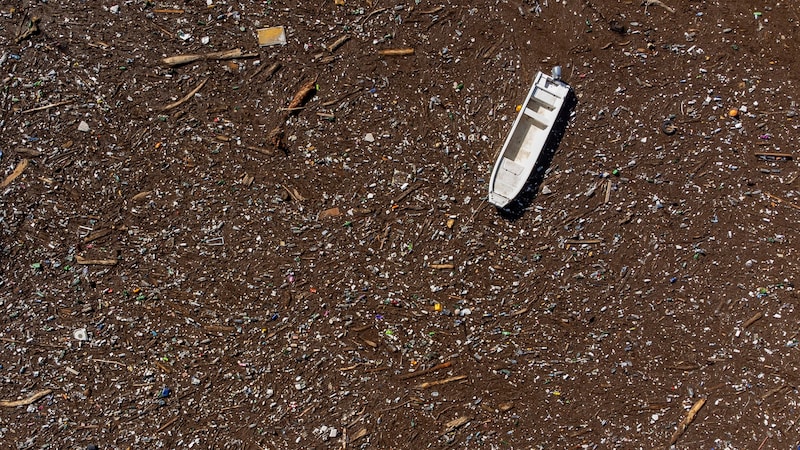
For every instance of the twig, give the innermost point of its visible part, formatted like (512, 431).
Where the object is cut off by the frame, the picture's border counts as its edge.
(455, 423)
(440, 382)
(774, 391)
(359, 434)
(392, 408)
(686, 421)
(441, 413)
(518, 312)
(117, 363)
(369, 16)
(166, 425)
(228, 408)
(418, 373)
(161, 29)
(405, 194)
(270, 71)
(433, 11)
(293, 193)
(187, 97)
(338, 43)
(26, 401)
(275, 332)
(263, 151)
(333, 102)
(97, 235)
(295, 109)
(42, 108)
(774, 197)
(583, 241)
(141, 195)
(658, 3)
(442, 266)
(774, 155)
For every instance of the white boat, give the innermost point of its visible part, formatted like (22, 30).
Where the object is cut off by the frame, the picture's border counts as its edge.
(527, 138)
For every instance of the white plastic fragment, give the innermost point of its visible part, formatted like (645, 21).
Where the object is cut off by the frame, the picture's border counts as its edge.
(80, 334)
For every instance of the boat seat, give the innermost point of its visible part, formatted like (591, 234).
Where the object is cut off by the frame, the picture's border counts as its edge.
(504, 189)
(513, 167)
(543, 87)
(544, 98)
(537, 118)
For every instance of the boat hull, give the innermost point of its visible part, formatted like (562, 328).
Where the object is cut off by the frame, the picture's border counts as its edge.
(527, 139)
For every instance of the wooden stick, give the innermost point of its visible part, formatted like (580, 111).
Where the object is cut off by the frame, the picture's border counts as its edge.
(774, 197)
(583, 241)
(455, 423)
(186, 97)
(433, 11)
(263, 151)
(97, 235)
(42, 108)
(396, 52)
(418, 373)
(26, 401)
(270, 70)
(752, 320)
(440, 382)
(369, 16)
(106, 361)
(359, 434)
(686, 421)
(293, 193)
(276, 331)
(141, 195)
(333, 102)
(303, 95)
(179, 60)
(442, 266)
(166, 425)
(338, 43)
(405, 194)
(298, 108)
(17, 172)
(95, 262)
(518, 312)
